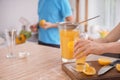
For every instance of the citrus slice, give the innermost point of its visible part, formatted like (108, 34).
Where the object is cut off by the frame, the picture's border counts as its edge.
(118, 67)
(89, 71)
(70, 44)
(81, 67)
(20, 39)
(104, 61)
(103, 33)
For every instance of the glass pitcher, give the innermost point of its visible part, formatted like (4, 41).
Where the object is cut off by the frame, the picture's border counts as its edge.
(69, 32)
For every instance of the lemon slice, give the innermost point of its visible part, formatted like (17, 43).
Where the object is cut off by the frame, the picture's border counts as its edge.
(104, 61)
(118, 67)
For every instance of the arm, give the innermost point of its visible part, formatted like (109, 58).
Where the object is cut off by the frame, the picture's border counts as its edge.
(113, 47)
(87, 47)
(70, 18)
(99, 46)
(55, 25)
(114, 35)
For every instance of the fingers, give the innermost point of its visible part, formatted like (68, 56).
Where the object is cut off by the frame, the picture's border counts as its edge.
(47, 25)
(80, 44)
(81, 48)
(79, 51)
(33, 28)
(84, 53)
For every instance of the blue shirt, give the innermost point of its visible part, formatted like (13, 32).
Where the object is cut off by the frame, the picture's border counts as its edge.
(52, 11)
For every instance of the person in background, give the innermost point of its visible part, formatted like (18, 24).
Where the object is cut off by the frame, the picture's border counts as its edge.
(52, 11)
(109, 44)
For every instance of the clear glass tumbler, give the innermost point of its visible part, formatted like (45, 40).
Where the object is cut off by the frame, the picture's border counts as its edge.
(10, 38)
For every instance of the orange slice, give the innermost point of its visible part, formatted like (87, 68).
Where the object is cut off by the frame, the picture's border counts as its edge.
(89, 71)
(118, 67)
(70, 44)
(104, 61)
(81, 67)
(20, 39)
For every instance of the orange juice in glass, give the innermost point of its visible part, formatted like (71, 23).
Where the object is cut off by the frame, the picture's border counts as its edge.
(80, 64)
(82, 61)
(68, 33)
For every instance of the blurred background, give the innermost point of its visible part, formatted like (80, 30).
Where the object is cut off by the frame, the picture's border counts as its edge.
(11, 12)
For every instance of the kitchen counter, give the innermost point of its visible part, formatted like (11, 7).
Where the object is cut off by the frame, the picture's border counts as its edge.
(43, 63)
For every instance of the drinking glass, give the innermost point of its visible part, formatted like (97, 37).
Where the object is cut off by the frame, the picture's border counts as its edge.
(10, 38)
(81, 63)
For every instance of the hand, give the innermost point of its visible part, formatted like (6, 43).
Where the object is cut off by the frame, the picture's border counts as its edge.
(86, 47)
(47, 25)
(34, 28)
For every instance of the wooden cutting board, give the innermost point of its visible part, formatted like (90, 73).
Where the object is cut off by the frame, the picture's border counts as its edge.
(74, 75)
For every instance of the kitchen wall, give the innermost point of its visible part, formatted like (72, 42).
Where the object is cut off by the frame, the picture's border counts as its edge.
(117, 13)
(12, 10)
(73, 6)
(107, 9)
(95, 7)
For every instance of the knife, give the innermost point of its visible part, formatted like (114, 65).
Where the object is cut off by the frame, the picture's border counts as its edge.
(107, 68)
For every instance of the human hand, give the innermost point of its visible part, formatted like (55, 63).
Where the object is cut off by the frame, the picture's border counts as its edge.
(44, 24)
(87, 47)
(47, 25)
(34, 28)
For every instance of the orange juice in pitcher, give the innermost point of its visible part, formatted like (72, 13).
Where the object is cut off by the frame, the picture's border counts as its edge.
(67, 43)
(68, 33)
